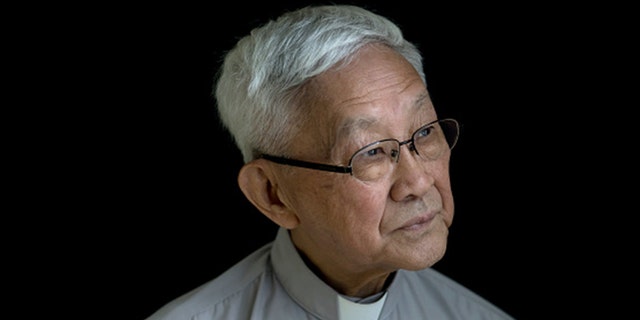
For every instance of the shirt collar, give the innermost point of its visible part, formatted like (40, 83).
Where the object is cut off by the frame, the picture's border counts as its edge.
(304, 286)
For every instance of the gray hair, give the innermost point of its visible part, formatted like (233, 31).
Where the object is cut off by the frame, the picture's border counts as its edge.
(261, 83)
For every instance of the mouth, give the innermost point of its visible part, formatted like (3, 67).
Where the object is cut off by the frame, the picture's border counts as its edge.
(418, 222)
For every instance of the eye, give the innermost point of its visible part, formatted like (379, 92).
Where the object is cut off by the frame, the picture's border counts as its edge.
(374, 152)
(378, 151)
(424, 132)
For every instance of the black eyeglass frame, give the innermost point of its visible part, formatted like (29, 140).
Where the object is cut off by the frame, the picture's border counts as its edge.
(349, 168)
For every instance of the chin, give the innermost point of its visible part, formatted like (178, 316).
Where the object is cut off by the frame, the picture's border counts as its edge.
(426, 257)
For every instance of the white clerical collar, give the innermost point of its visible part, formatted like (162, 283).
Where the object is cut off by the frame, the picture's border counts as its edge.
(348, 309)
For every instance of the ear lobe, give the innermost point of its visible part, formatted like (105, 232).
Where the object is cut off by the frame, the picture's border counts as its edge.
(259, 184)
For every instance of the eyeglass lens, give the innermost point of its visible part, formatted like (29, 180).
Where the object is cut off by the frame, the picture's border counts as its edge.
(429, 142)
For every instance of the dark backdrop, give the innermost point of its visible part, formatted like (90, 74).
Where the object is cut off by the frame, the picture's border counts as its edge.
(161, 189)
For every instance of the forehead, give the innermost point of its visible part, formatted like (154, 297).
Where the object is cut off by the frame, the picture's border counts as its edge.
(373, 71)
(376, 86)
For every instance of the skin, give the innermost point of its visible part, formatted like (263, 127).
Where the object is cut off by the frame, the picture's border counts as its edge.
(354, 234)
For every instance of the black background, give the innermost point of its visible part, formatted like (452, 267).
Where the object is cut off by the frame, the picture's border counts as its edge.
(153, 175)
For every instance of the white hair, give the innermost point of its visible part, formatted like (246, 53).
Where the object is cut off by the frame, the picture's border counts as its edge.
(259, 86)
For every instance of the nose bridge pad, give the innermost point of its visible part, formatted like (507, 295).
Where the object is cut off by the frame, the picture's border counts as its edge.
(412, 147)
(395, 155)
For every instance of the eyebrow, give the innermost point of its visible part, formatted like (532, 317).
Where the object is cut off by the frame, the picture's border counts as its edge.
(419, 102)
(361, 124)
(352, 125)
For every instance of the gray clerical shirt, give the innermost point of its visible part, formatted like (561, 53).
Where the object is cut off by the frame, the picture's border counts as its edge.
(274, 283)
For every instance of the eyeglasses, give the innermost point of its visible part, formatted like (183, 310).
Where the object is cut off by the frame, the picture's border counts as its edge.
(379, 158)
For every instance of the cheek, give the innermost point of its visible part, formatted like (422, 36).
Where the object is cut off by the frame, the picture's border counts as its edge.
(355, 219)
(346, 207)
(362, 209)
(443, 184)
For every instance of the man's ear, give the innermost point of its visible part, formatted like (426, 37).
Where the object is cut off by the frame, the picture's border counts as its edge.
(259, 184)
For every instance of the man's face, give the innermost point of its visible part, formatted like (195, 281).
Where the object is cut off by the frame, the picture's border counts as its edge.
(353, 228)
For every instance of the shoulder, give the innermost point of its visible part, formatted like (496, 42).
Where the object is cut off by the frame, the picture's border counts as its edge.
(453, 299)
(224, 296)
